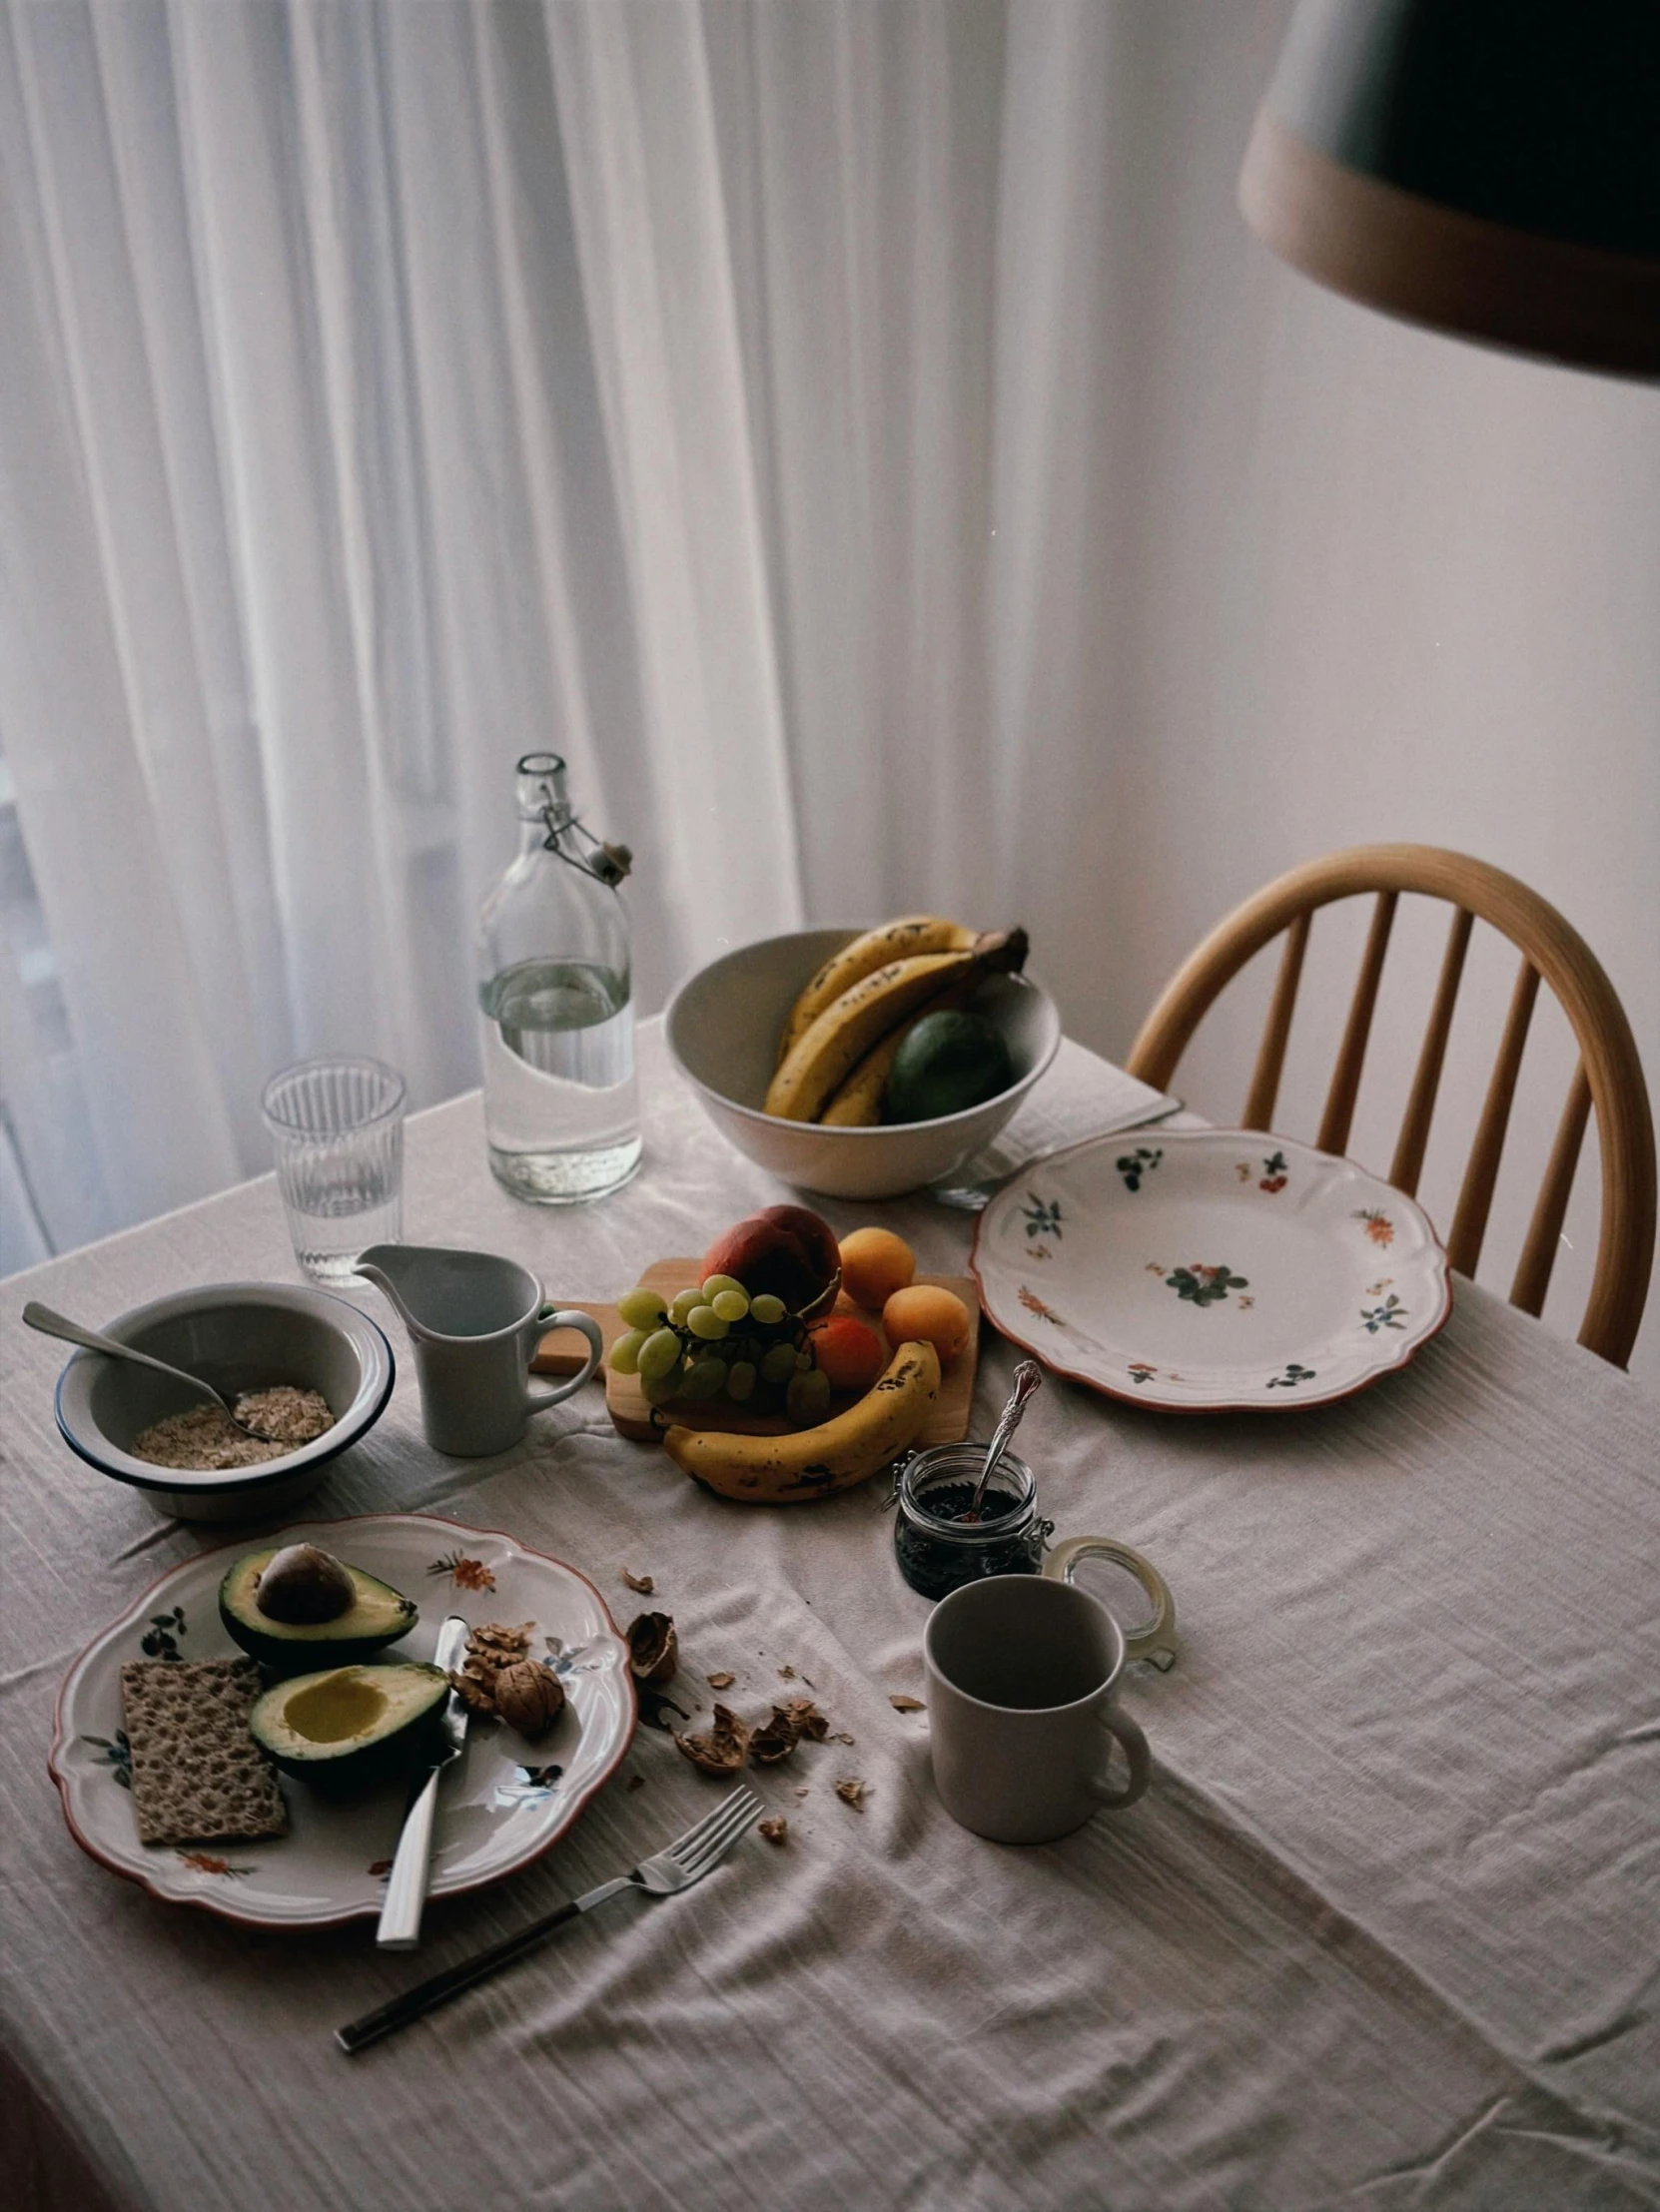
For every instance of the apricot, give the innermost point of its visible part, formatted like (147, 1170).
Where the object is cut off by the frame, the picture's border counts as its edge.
(849, 1352)
(927, 1312)
(876, 1263)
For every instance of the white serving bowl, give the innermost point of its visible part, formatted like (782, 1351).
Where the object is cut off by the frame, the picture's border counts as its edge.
(236, 1336)
(723, 1027)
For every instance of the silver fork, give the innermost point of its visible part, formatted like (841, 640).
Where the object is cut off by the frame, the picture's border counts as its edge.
(688, 1860)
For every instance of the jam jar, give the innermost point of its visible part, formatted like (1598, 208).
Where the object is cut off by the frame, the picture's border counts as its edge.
(936, 1549)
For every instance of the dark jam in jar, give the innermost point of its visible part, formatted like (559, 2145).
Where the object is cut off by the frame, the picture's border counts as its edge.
(936, 1548)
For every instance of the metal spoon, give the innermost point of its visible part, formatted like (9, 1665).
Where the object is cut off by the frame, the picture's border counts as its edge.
(55, 1324)
(1028, 1376)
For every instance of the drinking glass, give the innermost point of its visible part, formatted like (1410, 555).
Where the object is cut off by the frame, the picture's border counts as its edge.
(337, 1126)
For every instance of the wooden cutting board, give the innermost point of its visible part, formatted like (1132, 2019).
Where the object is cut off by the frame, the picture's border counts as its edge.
(563, 1352)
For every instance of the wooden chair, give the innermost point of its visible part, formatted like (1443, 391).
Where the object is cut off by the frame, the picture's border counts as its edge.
(1609, 1075)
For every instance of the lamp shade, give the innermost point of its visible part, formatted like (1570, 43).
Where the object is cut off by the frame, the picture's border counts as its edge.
(1488, 167)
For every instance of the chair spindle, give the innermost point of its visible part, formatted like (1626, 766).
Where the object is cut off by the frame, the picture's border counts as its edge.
(1544, 1231)
(1470, 1223)
(1271, 1053)
(1413, 1140)
(1345, 1076)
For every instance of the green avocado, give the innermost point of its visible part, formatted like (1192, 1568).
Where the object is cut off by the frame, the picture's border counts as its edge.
(349, 1727)
(946, 1064)
(374, 1616)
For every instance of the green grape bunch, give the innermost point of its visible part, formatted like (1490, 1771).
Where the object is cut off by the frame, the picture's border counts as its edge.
(713, 1339)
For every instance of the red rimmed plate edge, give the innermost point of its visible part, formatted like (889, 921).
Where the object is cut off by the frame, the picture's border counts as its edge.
(1409, 1352)
(360, 1912)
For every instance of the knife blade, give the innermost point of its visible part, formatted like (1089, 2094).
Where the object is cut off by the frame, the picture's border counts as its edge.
(405, 1898)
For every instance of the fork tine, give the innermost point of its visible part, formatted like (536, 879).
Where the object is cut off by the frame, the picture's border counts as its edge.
(733, 1811)
(715, 1846)
(711, 1819)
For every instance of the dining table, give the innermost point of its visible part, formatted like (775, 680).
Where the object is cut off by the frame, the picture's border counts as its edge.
(1383, 1932)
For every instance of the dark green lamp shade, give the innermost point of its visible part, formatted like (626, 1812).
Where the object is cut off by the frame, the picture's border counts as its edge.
(1489, 167)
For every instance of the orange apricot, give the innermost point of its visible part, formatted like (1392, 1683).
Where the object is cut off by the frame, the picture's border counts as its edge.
(876, 1263)
(928, 1311)
(849, 1352)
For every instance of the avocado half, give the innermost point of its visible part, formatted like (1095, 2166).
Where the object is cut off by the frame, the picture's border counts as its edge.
(378, 1616)
(349, 1727)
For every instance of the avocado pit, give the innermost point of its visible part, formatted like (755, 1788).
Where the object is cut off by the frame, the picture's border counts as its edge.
(304, 1584)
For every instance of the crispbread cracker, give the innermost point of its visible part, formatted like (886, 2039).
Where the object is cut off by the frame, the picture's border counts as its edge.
(198, 1775)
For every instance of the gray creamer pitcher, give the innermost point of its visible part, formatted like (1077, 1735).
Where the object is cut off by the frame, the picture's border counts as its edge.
(475, 1320)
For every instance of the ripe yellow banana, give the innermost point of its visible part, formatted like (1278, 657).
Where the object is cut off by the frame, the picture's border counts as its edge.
(858, 1103)
(820, 1060)
(897, 940)
(784, 1470)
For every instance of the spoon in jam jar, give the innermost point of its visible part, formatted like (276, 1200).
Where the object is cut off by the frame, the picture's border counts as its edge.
(1028, 1376)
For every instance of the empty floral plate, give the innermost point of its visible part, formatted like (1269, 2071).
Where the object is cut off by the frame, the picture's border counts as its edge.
(1210, 1270)
(501, 1806)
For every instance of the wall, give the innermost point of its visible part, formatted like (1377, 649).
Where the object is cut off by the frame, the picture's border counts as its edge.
(1384, 586)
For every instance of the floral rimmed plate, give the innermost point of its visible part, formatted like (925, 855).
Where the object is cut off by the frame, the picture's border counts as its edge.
(1210, 1270)
(505, 1804)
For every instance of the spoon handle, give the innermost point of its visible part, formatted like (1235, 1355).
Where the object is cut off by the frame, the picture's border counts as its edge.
(1028, 1376)
(49, 1323)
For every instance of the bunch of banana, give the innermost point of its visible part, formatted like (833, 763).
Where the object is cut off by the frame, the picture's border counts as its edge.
(784, 1470)
(839, 1043)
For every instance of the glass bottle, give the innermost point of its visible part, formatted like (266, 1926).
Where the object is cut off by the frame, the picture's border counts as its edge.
(562, 1102)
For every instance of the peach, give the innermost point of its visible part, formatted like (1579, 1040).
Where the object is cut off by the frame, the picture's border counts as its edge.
(784, 1249)
(876, 1263)
(849, 1352)
(931, 1313)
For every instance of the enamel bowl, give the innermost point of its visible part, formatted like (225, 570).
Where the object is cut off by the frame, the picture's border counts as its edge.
(236, 1336)
(723, 1026)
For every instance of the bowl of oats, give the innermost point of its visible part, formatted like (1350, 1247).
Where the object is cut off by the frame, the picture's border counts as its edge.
(308, 1375)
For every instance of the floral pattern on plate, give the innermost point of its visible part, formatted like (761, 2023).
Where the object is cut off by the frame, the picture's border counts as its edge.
(493, 1817)
(1304, 1318)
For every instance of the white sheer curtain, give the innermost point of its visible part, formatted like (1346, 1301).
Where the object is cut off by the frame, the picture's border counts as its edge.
(859, 434)
(357, 438)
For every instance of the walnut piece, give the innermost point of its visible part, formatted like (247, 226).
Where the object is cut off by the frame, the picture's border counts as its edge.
(490, 1650)
(722, 1681)
(776, 1831)
(906, 1705)
(529, 1697)
(722, 1749)
(643, 1583)
(806, 1718)
(653, 1647)
(852, 1793)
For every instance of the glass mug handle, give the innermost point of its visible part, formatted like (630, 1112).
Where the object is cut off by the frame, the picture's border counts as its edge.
(1134, 1744)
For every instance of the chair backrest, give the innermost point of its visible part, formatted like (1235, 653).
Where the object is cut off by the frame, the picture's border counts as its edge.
(1608, 1077)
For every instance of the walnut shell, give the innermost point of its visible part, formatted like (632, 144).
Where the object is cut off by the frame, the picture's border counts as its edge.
(529, 1697)
(775, 1739)
(653, 1647)
(722, 1749)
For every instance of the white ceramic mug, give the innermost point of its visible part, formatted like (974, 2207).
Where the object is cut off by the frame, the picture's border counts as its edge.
(475, 1320)
(1022, 1680)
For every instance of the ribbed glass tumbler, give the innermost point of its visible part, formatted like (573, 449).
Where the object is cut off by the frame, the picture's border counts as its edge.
(338, 1130)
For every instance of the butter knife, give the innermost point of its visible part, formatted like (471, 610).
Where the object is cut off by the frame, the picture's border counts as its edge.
(406, 1898)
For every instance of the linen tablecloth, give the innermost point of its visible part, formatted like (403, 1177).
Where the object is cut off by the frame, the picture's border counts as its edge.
(1382, 1934)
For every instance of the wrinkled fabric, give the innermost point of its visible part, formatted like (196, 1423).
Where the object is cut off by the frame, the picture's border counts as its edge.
(1381, 1936)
